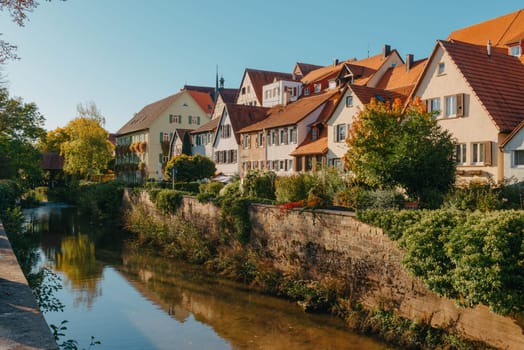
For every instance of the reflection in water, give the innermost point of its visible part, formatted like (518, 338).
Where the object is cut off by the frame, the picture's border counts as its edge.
(77, 261)
(247, 320)
(154, 303)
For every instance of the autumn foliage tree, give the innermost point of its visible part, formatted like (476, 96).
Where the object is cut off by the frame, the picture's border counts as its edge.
(88, 150)
(392, 147)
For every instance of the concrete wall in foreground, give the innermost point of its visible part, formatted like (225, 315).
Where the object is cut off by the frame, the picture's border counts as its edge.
(22, 325)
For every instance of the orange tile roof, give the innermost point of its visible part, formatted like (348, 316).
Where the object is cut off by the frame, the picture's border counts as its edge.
(365, 94)
(501, 30)
(497, 80)
(323, 73)
(147, 115)
(241, 116)
(209, 126)
(309, 147)
(402, 81)
(292, 113)
(305, 68)
(203, 99)
(259, 78)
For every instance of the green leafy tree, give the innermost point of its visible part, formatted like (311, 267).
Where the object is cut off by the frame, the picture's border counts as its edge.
(190, 168)
(20, 129)
(88, 150)
(53, 140)
(186, 144)
(389, 147)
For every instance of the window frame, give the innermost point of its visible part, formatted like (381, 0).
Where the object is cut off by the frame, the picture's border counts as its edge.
(478, 153)
(449, 111)
(460, 153)
(514, 158)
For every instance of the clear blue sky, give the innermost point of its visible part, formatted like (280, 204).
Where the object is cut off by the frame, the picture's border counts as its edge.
(124, 54)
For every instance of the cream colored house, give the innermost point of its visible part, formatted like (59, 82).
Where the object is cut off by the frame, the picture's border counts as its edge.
(250, 92)
(143, 142)
(513, 149)
(476, 93)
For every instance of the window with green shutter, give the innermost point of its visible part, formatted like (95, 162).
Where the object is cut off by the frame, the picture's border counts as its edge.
(198, 120)
(189, 120)
(161, 136)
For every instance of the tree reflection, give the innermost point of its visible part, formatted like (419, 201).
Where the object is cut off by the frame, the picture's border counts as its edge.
(77, 261)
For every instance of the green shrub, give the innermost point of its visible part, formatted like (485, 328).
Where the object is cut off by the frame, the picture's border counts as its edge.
(393, 222)
(189, 187)
(259, 184)
(474, 196)
(102, 201)
(213, 188)
(292, 188)
(9, 193)
(168, 201)
(379, 199)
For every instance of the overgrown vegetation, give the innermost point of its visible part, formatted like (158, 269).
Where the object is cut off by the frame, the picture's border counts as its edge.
(472, 257)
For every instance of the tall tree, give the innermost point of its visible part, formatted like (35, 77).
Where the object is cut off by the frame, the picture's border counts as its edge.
(389, 147)
(90, 110)
(18, 9)
(53, 140)
(20, 129)
(88, 150)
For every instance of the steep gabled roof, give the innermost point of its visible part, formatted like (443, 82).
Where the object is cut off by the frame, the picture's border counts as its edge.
(259, 78)
(209, 126)
(501, 30)
(147, 115)
(305, 68)
(292, 113)
(204, 100)
(399, 80)
(323, 73)
(228, 95)
(242, 116)
(496, 80)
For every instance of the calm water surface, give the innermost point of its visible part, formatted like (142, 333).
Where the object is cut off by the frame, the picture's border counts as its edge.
(135, 301)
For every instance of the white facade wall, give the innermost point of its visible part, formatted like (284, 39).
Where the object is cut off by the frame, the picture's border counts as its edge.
(475, 126)
(273, 94)
(513, 171)
(282, 152)
(205, 146)
(344, 114)
(246, 93)
(226, 144)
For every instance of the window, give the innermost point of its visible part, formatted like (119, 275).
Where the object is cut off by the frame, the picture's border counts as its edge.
(515, 51)
(281, 165)
(293, 135)
(283, 136)
(332, 84)
(317, 87)
(243, 91)
(306, 91)
(433, 106)
(349, 101)
(164, 137)
(290, 164)
(441, 68)
(336, 163)
(260, 139)
(225, 131)
(478, 155)
(451, 106)
(248, 89)
(340, 132)
(460, 153)
(246, 141)
(314, 133)
(518, 158)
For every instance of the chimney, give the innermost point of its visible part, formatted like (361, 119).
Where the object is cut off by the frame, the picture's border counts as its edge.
(386, 50)
(409, 61)
(335, 62)
(488, 48)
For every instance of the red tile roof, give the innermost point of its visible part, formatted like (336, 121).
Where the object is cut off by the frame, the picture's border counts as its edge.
(292, 113)
(497, 80)
(228, 95)
(305, 68)
(501, 30)
(52, 161)
(241, 116)
(209, 126)
(401, 81)
(204, 100)
(259, 78)
(147, 115)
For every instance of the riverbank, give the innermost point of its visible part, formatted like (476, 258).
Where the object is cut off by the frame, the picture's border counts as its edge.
(22, 325)
(331, 251)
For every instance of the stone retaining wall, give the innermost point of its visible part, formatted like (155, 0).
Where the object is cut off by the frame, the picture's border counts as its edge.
(22, 325)
(334, 245)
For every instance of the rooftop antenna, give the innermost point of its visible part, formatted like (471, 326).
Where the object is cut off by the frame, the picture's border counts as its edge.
(368, 50)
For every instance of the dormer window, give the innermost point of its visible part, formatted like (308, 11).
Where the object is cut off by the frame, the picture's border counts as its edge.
(317, 88)
(306, 91)
(515, 51)
(332, 84)
(314, 134)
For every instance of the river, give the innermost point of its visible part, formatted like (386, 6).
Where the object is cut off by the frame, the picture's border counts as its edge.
(130, 300)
